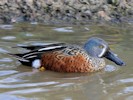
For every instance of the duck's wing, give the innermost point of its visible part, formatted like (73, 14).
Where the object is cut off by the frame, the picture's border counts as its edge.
(29, 57)
(34, 47)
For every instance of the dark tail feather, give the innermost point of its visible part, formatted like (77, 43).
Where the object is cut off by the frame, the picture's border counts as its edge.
(19, 57)
(15, 55)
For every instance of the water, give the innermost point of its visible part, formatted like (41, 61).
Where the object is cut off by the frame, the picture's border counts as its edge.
(18, 82)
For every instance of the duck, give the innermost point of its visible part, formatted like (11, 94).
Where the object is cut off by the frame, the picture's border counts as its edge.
(63, 57)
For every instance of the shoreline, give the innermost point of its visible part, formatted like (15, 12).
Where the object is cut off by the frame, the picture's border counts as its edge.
(66, 11)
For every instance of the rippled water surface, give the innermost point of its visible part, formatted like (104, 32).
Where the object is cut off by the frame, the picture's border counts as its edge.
(18, 82)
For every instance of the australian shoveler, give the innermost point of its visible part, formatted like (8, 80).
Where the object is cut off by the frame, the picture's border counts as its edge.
(62, 57)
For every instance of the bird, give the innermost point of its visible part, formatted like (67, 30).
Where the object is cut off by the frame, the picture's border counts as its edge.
(63, 57)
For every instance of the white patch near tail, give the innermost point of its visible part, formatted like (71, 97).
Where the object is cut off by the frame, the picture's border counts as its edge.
(36, 63)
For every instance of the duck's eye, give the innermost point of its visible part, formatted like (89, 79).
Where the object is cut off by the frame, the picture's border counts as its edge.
(101, 46)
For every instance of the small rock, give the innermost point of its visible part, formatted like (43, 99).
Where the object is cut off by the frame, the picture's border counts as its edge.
(102, 14)
(88, 13)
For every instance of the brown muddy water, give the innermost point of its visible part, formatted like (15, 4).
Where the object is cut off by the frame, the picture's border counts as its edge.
(18, 82)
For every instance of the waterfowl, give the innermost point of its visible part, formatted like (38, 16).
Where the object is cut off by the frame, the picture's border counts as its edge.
(62, 57)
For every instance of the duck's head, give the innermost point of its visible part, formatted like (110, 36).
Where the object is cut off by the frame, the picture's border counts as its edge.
(97, 47)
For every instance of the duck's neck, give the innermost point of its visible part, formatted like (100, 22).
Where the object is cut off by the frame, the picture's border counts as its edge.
(97, 63)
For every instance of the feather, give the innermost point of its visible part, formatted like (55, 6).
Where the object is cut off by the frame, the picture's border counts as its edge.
(19, 57)
(29, 57)
(33, 47)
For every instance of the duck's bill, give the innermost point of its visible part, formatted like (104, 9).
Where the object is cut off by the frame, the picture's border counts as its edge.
(113, 57)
